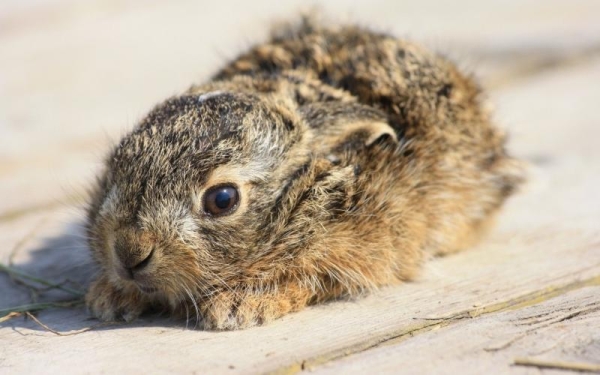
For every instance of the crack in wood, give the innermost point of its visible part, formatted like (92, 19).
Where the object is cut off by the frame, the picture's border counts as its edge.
(545, 324)
(552, 318)
(577, 314)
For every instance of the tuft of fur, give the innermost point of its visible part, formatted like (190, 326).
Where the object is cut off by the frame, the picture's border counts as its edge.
(357, 156)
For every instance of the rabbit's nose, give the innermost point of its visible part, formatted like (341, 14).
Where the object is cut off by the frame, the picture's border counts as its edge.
(133, 254)
(134, 262)
(137, 267)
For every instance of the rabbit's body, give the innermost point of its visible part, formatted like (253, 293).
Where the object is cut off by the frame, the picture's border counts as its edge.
(355, 156)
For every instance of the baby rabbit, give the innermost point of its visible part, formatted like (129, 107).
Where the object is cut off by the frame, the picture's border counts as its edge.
(324, 163)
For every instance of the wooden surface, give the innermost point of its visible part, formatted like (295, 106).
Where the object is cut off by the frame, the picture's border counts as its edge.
(74, 75)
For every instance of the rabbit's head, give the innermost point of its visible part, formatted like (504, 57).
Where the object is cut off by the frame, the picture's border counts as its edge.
(226, 183)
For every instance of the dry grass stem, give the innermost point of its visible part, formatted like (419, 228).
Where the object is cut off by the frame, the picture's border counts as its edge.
(560, 365)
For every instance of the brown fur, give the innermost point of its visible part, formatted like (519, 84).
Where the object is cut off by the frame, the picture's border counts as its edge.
(357, 156)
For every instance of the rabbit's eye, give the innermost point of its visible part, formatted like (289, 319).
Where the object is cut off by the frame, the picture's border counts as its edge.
(221, 200)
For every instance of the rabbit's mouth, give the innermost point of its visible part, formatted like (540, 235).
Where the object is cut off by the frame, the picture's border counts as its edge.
(142, 281)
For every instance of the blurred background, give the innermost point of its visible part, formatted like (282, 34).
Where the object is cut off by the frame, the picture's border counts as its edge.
(75, 74)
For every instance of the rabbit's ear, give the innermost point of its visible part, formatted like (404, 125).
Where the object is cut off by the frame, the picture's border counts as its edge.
(340, 125)
(368, 132)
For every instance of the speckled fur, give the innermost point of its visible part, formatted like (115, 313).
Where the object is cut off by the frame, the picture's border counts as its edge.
(358, 156)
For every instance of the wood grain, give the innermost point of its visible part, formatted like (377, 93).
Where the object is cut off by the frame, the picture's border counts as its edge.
(561, 330)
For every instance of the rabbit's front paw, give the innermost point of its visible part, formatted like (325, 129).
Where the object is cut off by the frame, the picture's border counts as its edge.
(230, 310)
(108, 302)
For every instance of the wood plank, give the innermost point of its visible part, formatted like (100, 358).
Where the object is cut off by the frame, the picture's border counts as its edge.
(564, 329)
